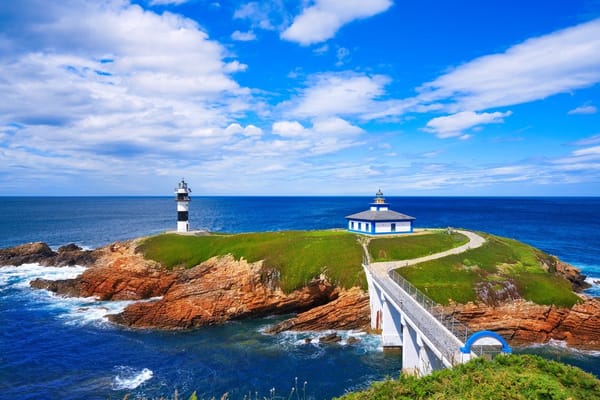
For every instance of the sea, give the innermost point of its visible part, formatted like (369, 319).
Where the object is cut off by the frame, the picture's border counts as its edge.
(64, 348)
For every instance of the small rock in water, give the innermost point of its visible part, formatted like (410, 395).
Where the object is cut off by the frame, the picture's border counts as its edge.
(352, 340)
(330, 338)
(307, 341)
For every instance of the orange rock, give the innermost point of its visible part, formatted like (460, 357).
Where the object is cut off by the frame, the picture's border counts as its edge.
(524, 322)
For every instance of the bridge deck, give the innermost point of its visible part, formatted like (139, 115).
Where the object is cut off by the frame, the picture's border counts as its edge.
(432, 329)
(443, 332)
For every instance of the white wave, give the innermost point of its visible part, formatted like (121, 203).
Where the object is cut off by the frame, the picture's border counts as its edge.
(20, 277)
(130, 378)
(593, 280)
(595, 289)
(88, 311)
(74, 310)
(563, 347)
(366, 342)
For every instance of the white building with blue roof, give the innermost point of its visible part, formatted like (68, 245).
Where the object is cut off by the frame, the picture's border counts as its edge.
(380, 220)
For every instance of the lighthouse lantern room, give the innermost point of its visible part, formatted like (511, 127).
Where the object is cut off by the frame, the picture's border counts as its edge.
(182, 197)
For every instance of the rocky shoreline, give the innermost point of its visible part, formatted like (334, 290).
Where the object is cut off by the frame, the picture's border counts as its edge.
(222, 289)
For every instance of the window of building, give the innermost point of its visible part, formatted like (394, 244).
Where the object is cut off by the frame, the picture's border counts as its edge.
(393, 227)
(351, 224)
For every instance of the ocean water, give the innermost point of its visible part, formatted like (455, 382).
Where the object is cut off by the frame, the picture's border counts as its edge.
(63, 348)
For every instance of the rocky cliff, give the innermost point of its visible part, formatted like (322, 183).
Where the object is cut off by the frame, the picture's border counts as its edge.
(222, 289)
(523, 322)
(41, 253)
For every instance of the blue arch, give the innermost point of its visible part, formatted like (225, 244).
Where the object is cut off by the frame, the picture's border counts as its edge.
(478, 335)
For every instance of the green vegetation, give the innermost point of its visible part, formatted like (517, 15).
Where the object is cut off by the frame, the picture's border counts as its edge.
(414, 246)
(504, 377)
(299, 256)
(499, 260)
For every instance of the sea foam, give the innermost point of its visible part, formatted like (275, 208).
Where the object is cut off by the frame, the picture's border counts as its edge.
(130, 378)
(595, 289)
(560, 346)
(21, 276)
(299, 339)
(74, 310)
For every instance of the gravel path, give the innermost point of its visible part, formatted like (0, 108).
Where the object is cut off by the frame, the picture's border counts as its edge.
(474, 241)
(430, 326)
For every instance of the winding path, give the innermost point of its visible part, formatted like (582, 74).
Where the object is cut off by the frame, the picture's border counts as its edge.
(475, 241)
(433, 328)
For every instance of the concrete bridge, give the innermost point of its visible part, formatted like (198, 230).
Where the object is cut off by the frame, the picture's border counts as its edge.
(407, 318)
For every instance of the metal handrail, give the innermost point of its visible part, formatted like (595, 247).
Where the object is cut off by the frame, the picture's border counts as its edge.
(457, 328)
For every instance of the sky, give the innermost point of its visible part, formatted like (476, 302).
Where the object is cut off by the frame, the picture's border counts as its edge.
(304, 97)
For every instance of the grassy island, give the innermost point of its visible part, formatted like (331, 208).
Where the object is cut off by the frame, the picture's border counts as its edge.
(499, 264)
(300, 256)
(504, 377)
(405, 247)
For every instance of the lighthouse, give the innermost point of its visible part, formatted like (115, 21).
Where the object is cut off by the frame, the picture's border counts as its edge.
(182, 197)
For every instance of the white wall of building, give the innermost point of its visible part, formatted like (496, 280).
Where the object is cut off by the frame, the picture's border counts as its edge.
(386, 227)
(359, 226)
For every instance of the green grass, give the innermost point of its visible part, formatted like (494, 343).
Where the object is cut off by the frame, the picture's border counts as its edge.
(499, 259)
(299, 256)
(414, 246)
(505, 377)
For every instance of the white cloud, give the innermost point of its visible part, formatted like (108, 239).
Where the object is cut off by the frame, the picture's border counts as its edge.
(335, 126)
(243, 36)
(321, 49)
(559, 62)
(267, 15)
(583, 110)
(288, 129)
(595, 139)
(327, 135)
(84, 83)
(167, 2)
(235, 66)
(323, 18)
(455, 125)
(252, 131)
(339, 94)
(590, 151)
(342, 54)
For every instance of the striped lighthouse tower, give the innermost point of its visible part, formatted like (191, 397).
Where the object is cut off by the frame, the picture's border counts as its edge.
(182, 197)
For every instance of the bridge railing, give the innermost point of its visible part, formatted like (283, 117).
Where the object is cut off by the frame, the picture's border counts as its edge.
(457, 328)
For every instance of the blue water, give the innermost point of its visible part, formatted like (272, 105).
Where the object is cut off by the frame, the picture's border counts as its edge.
(53, 347)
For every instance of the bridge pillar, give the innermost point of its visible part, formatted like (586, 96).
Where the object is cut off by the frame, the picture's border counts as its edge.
(391, 334)
(375, 303)
(410, 350)
(428, 360)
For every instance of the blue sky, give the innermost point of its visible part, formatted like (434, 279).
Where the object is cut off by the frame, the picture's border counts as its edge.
(322, 97)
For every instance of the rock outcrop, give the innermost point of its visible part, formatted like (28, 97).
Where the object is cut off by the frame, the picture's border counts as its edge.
(41, 253)
(118, 273)
(523, 322)
(350, 310)
(222, 289)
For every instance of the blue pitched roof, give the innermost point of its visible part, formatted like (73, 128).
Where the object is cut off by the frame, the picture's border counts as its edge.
(385, 215)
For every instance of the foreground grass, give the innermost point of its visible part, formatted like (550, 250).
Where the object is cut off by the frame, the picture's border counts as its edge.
(504, 377)
(299, 256)
(406, 247)
(499, 261)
